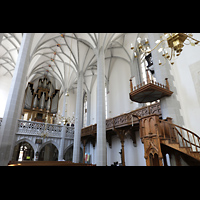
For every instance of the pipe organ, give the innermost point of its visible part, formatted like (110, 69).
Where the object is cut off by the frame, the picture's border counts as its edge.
(42, 102)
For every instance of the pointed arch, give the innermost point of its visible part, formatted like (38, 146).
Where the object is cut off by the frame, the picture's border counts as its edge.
(49, 142)
(28, 141)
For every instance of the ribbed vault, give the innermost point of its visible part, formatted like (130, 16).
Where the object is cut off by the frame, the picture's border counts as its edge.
(61, 56)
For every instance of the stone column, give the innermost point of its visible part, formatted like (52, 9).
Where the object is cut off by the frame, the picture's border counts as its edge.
(1, 37)
(78, 119)
(88, 107)
(15, 99)
(62, 142)
(36, 155)
(101, 149)
(170, 106)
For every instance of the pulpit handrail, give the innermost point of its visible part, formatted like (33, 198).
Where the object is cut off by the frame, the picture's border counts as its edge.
(188, 138)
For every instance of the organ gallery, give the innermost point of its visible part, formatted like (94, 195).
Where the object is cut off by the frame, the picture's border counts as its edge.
(40, 101)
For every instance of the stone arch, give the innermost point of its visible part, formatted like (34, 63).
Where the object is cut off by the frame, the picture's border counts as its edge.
(48, 151)
(68, 153)
(49, 142)
(68, 147)
(71, 146)
(26, 152)
(27, 140)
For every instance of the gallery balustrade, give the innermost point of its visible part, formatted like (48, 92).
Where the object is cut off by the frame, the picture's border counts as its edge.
(33, 128)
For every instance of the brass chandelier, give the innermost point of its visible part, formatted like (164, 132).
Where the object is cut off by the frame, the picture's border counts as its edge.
(171, 45)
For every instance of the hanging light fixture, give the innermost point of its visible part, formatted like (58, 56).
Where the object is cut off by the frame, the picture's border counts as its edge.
(67, 93)
(175, 43)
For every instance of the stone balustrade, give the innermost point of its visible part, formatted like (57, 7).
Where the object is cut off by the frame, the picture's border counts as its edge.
(33, 128)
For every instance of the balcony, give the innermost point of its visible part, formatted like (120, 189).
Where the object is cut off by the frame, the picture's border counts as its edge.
(123, 120)
(149, 91)
(32, 128)
(37, 128)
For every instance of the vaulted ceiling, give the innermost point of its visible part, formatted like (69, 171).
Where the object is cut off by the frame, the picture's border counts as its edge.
(62, 55)
(9, 50)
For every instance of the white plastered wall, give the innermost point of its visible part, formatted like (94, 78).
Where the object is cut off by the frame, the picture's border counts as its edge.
(71, 104)
(186, 72)
(4, 91)
(119, 88)
(134, 156)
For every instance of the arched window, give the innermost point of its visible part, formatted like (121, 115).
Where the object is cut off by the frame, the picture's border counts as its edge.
(85, 110)
(146, 63)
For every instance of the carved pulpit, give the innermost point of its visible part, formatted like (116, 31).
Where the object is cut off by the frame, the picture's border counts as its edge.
(149, 91)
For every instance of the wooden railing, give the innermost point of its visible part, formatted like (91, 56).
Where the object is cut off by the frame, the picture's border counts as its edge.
(125, 119)
(89, 130)
(147, 82)
(178, 134)
(154, 132)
